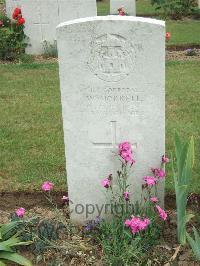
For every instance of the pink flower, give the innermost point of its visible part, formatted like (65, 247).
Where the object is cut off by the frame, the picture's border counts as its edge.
(1, 23)
(162, 213)
(158, 172)
(125, 151)
(65, 198)
(20, 212)
(165, 159)
(125, 146)
(136, 224)
(127, 156)
(144, 224)
(47, 186)
(126, 195)
(150, 180)
(154, 199)
(106, 183)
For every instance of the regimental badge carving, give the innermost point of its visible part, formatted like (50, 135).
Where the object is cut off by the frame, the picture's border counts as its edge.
(112, 57)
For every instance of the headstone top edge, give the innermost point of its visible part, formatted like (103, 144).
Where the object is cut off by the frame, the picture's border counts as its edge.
(112, 18)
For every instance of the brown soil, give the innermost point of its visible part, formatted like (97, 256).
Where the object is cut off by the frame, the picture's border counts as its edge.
(9, 201)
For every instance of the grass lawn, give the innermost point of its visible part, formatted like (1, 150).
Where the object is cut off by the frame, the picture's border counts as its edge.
(145, 7)
(31, 136)
(182, 32)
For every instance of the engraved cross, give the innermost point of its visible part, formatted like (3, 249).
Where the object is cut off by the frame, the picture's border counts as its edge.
(113, 144)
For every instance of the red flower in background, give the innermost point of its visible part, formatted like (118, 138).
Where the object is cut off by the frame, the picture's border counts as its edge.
(17, 13)
(168, 36)
(20, 21)
(1, 23)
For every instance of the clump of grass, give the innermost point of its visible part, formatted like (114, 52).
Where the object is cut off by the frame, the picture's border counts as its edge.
(50, 50)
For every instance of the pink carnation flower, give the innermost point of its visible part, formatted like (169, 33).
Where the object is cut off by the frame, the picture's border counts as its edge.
(154, 199)
(47, 186)
(126, 195)
(125, 146)
(136, 224)
(165, 159)
(106, 183)
(125, 151)
(20, 212)
(158, 172)
(127, 156)
(150, 180)
(162, 213)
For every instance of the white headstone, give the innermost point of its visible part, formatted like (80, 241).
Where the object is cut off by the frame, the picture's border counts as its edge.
(11, 5)
(42, 17)
(129, 6)
(112, 76)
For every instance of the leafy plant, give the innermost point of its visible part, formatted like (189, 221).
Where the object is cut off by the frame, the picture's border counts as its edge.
(13, 39)
(8, 241)
(194, 243)
(41, 232)
(175, 9)
(182, 179)
(132, 228)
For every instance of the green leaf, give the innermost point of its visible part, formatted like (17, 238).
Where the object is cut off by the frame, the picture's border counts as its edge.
(197, 237)
(7, 228)
(15, 258)
(189, 217)
(2, 263)
(4, 247)
(182, 180)
(15, 241)
(178, 145)
(182, 161)
(194, 243)
(11, 241)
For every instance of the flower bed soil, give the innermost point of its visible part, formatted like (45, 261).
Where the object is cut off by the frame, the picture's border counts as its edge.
(180, 55)
(79, 249)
